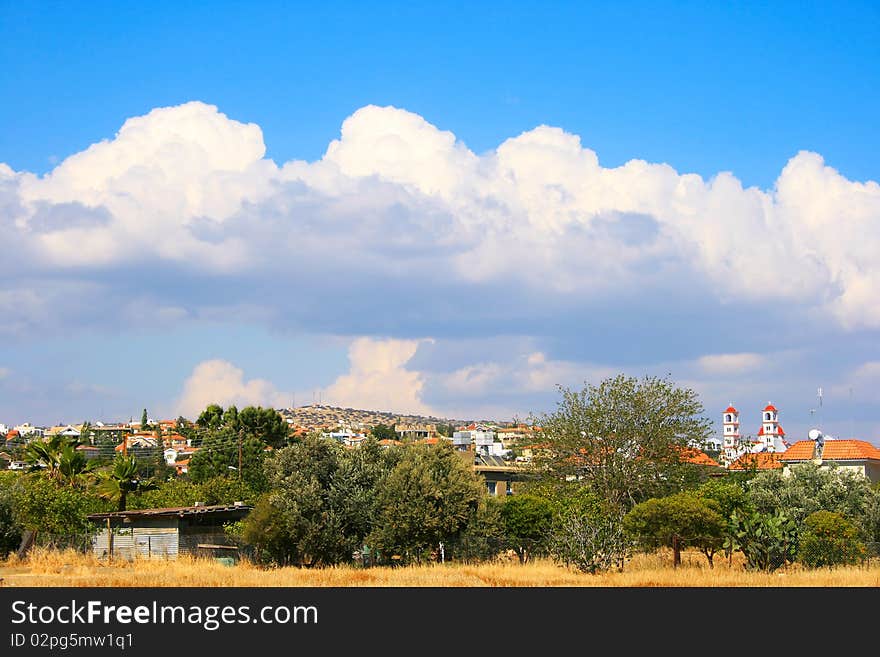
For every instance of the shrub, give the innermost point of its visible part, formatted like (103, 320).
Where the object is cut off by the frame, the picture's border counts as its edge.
(829, 539)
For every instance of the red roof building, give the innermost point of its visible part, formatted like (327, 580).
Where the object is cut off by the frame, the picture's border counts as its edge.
(759, 461)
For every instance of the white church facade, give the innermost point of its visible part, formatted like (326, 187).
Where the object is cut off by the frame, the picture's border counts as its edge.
(770, 437)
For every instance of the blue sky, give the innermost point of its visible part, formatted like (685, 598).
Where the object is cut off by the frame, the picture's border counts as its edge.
(360, 201)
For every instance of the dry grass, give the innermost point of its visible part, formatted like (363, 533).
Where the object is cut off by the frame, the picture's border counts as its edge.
(68, 568)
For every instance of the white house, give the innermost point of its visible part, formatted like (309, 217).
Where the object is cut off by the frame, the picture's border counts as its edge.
(170, 455)
(483, 441)
(27, 429)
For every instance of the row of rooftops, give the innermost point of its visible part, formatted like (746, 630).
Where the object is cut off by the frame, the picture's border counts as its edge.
(803, 450)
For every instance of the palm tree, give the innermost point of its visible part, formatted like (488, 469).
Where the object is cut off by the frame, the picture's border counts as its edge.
(72, 465)
(122, 479)
(58, 456)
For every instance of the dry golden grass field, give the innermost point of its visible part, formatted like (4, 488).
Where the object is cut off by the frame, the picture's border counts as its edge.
(52, 568)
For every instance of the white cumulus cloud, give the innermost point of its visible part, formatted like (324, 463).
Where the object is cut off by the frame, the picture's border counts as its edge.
(220, 382)
(378, 378)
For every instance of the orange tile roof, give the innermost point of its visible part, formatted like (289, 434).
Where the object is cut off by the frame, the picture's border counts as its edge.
(759, 461)
(697, 457)
(834, 450)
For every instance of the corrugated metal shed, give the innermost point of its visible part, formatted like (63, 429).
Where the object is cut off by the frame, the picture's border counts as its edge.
(163, 533)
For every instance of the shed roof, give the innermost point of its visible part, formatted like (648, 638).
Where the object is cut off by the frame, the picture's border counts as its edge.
(172, 511)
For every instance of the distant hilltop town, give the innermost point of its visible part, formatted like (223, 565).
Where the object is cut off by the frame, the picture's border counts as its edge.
(318, 416)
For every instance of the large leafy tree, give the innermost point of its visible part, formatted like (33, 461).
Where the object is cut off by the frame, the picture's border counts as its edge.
(678, 521)
(624, 438)
(320, 503)
(48, 506)
(429, 498)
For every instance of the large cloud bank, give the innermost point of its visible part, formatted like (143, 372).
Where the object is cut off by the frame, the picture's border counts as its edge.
(401, 225)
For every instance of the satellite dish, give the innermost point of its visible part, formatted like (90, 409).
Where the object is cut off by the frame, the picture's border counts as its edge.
(814, 434)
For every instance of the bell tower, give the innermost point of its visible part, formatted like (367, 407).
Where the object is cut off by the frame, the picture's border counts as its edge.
(730, 433)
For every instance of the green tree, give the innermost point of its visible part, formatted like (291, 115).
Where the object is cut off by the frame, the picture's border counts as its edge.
(320, 504)
(73, 466)
(624, 438)
(587, 533)
(446, 429)
(48, 506)
(211, 417)
(230, 418)
(528, 522)
(677, 521)
(265, 424)
(808, 488)
(429, 498)
(829, 539)
(730, 496)
(267, 530)
(145, 420)
(58, 458)
(183, 427)
(121, 479)
(483, 537)
(383, 432)
(218, 456)
(169, 494)
(871, 520)
(10, 529)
